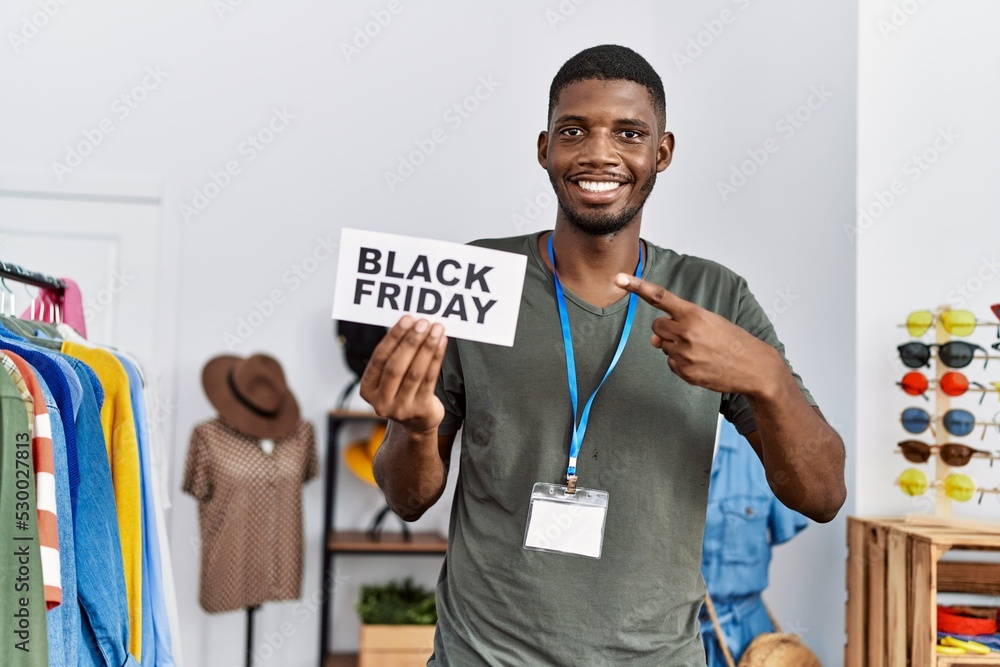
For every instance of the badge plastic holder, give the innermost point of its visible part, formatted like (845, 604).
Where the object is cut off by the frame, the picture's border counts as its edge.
(566, 523)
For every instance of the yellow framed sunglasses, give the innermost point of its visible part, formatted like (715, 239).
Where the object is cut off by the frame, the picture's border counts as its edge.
(958, 487)
(955, 322)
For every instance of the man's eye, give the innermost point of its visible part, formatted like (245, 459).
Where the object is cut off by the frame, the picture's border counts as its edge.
(631, 134)
(572, 132)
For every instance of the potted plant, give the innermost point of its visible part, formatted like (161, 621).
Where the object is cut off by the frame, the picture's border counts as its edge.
(397, 625)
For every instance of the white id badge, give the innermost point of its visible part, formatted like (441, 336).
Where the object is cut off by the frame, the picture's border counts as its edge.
(565, 523)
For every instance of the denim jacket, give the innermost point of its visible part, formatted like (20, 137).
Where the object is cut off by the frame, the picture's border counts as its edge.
(64, 645)
(743, 522)
(100, 572)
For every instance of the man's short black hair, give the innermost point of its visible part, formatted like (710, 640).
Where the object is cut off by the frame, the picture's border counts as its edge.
(611, 62)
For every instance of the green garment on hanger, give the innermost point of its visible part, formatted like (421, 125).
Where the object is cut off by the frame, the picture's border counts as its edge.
(27, 330)
(23, 628)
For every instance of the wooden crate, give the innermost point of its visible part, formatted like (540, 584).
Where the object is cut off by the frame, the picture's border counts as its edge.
(395, 645)
(894, 572)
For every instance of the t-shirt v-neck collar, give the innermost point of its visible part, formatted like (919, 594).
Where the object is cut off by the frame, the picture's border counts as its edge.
(616, 307)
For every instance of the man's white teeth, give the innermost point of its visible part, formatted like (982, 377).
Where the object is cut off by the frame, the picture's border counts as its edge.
(598, 186)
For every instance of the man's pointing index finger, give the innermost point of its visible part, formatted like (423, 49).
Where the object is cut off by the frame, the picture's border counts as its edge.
(655, 295)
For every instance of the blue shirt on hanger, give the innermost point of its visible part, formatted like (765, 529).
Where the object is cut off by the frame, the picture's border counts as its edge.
(100, 571)
(64, 646)
(156, 643)
(743, 522)
(59, 381)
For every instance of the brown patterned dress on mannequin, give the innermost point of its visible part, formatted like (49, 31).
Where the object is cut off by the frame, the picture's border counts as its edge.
(250, 513)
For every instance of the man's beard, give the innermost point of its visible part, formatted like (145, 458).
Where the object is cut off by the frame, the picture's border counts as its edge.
(599, 223)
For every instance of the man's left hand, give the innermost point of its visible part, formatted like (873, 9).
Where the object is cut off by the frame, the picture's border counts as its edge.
(706, 349)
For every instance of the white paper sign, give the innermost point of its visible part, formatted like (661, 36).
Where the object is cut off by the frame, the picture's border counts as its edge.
(474, 292)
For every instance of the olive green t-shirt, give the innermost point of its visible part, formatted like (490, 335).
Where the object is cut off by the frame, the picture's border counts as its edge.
(649, 445)
(23, 629)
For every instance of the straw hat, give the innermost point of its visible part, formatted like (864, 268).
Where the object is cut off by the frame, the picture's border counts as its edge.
(251, 395)
(772, 649)
(359, 454)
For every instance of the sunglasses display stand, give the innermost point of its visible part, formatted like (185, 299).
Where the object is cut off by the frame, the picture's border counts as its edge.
(945, 322)
(942, 503)
(896, 569)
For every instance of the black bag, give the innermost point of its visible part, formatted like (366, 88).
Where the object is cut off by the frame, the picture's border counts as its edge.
(359, 341)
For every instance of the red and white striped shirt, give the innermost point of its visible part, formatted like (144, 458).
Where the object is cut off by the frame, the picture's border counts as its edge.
(45, 478)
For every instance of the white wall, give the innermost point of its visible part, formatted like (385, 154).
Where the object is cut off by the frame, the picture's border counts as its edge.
(222, 77)
(926, 84)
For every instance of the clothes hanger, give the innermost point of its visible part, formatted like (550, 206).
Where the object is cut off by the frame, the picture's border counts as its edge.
(3, 303)
(31, 301)
(54, 314)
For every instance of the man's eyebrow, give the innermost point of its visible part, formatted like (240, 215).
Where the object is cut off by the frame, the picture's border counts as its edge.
(635, 122)
(632, 122)
(570, 119)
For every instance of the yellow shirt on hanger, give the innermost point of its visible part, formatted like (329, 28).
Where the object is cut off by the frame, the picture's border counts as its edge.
(118, 425)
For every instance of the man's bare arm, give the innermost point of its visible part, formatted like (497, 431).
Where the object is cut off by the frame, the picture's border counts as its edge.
(412, 470)
(411, 467)
(803, 456)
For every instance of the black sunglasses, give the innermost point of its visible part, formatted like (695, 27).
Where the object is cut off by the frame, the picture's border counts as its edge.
(956, 354)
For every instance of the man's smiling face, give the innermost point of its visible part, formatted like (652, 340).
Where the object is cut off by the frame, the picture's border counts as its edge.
(602, 151)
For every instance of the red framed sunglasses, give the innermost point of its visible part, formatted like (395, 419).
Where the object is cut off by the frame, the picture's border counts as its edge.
(952, 383)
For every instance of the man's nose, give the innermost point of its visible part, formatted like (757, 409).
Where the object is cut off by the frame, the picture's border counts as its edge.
(599, 149)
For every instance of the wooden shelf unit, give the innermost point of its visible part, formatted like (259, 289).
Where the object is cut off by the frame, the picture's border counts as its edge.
(355, 542)
(341, 660)
(968, 660)
(894, 573)
(359, 542)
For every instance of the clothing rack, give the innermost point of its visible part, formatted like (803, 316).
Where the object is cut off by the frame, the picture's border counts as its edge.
(40, 280)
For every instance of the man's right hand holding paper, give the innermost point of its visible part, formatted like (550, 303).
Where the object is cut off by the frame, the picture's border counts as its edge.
(399, 381)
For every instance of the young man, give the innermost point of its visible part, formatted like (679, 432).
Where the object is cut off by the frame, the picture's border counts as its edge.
(651, 429)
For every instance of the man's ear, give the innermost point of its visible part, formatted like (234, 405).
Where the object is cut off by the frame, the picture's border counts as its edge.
(665, 151)
(543, 149)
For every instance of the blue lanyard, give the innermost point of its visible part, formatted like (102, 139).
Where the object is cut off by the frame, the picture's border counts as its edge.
(580, 428)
